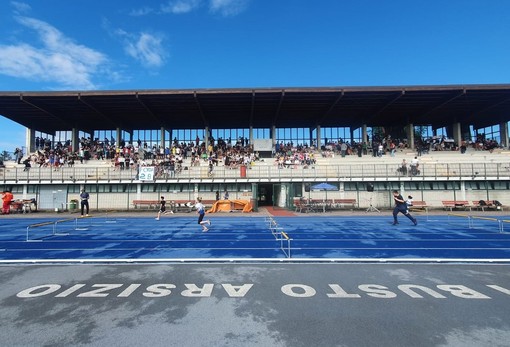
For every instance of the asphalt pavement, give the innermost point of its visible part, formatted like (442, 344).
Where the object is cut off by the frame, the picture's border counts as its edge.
(271, 304)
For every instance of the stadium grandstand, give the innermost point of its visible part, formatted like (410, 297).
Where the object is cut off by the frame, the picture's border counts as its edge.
(271, 146)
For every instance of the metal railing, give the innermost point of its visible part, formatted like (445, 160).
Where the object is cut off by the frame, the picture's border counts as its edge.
(350, 172)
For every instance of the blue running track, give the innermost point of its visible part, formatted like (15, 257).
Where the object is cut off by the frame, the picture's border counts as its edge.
(354, 237)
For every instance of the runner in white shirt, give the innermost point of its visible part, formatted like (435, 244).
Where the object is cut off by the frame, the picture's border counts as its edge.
(201, 213)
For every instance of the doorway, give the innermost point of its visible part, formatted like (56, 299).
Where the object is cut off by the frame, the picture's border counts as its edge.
(265, 194)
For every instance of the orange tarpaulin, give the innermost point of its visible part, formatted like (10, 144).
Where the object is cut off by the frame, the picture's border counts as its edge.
(229, 205)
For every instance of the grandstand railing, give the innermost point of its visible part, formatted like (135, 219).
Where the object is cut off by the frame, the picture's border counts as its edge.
(428, 171)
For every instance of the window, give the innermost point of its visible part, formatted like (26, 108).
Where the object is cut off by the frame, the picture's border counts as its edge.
(296, 136)
(413, 185)
(476, 185)
(148, 188)
(498, 185)
(33, 189)
(91, 188)
(73, 188)
(14, 189)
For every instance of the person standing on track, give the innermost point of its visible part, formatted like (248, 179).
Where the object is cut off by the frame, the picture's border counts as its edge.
(7, 197)
(84, 197)
(162, 208)
(409, 202)
(401, 206)
(201, 213)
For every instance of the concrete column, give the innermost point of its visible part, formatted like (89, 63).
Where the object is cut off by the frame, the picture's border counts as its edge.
(251, 135)
(206, 139)
(118, 133)
(273, 135)
(162, 140)
(364, 133)
(457, 133)
(410, 135)
(503, 130)
(319, 144)
(29, 140)
(75, 139)
(352, 135)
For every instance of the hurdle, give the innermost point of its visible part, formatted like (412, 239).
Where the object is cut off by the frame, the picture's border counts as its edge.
(273, 227)
(54, 228)
(285, 237)
(502, 224)
(471, 220)
(470, 223)
(108, 217)
(498, 221)
(280, 235)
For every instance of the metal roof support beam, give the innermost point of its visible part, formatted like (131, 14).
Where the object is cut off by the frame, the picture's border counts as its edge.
(22, 98)
(388, 104)
(277, 114)
(457, 95)
(204, 119)
(330, 109)
(500, 102)
(80, 99)
(147, 108)
(252, 111)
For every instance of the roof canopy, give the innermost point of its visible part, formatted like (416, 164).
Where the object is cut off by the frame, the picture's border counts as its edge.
(478, 105)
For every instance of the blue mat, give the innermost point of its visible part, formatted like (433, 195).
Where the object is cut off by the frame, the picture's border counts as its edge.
(373, 237)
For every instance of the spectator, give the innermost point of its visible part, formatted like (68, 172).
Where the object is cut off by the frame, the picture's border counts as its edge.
(18, 152)
(7, 197)
(84, 197)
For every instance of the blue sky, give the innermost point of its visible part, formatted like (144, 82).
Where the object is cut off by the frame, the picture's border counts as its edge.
(115, 45)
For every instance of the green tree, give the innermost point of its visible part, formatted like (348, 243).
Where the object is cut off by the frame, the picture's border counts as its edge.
(5, 156)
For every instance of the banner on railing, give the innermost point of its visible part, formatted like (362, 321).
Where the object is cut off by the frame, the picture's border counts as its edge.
(146, 173)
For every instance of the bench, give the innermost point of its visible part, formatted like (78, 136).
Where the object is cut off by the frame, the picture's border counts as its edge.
(149, 203)
(454, 204)
(181, 206)
(489, 204)
(299, 205)
(16, 206)
(419, 205)
(307, 205)
(340, 203)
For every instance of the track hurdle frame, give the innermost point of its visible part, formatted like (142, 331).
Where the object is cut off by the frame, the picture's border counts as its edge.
(472, 219)
(54, 228)
(280, 235)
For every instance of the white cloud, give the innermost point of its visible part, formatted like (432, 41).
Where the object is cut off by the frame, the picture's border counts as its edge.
(141, 12)
(228, 8)
(144, 47)
(180, 6)
(225, 8)
(20, 7)
(58, 60)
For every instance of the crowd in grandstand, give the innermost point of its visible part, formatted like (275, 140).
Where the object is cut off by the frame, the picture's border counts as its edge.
(126, 155)
(231, 154)
(290, 156)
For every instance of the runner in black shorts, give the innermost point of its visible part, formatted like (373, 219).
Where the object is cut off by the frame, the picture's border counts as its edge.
(162, 208)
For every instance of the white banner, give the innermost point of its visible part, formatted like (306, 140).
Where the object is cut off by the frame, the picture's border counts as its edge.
(263, 145)
(146, 173)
